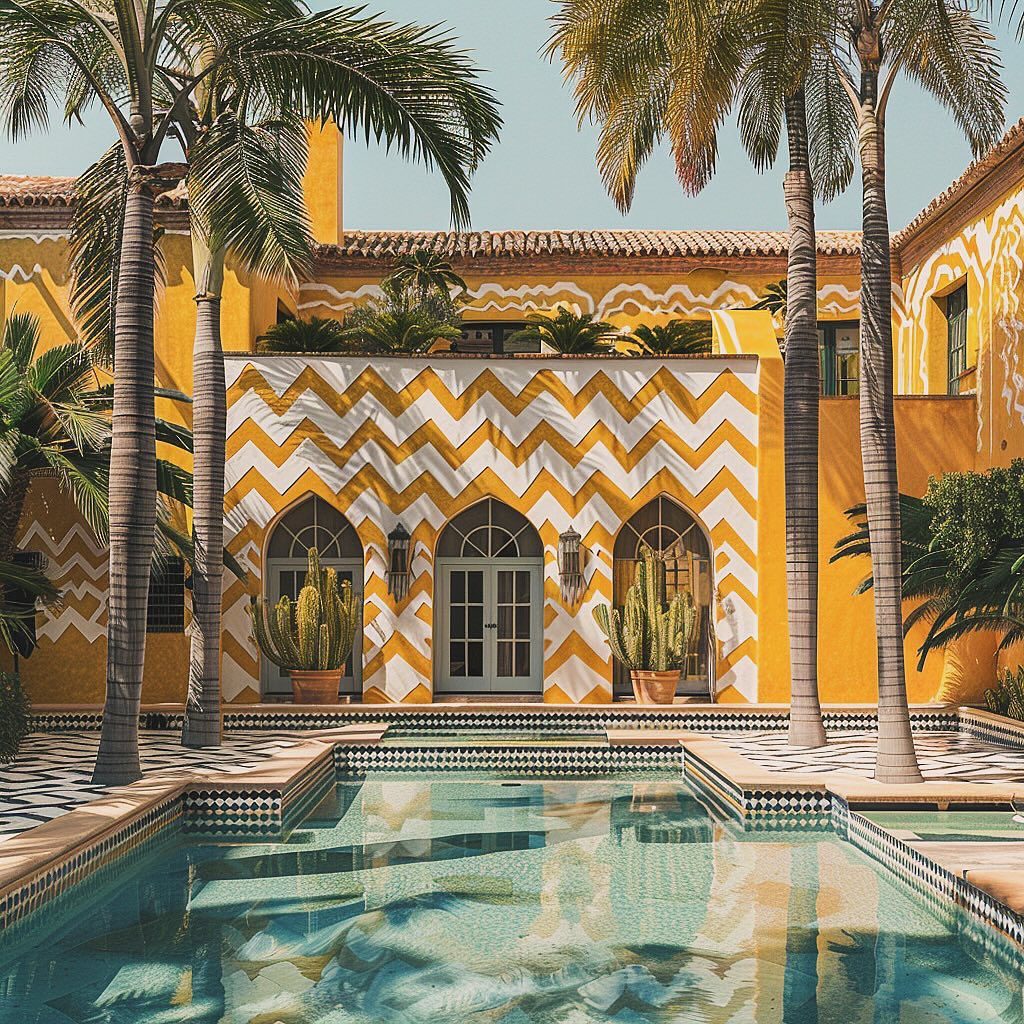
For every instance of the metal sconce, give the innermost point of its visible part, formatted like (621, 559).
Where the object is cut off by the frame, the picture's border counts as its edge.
(570, 566)
(398, 562)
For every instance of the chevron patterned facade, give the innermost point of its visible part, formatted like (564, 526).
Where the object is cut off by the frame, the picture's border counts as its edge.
(580, 442)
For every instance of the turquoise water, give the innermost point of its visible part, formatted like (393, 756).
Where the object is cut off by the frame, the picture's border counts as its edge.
(440, 900)
(953, 826)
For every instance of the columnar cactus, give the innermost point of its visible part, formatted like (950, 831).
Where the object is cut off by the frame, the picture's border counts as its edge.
(314, 633)
(646, 635)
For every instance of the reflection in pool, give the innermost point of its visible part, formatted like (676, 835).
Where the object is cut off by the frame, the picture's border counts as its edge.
(445, 901)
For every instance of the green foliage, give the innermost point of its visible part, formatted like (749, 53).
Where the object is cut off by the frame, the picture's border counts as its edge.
(425, 273)
(307, 336)
(314, 633)
(1007, 696)
(973, 513)
(568, 333)
(774, 298)
(646, 634)
(963, 555)
(401, 321)
(15, 716)
(677, 337)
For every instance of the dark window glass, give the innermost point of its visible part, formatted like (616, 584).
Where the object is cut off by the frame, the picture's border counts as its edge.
(956, 337)
(166, 610)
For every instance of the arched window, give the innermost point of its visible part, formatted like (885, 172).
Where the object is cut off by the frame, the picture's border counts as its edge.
(490, 529)
(312, 523)
(674, 534)
(488, 599)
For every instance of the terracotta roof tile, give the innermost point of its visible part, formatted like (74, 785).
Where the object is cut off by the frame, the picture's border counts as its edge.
(20, 190)
(387, 245)
(1013, 139)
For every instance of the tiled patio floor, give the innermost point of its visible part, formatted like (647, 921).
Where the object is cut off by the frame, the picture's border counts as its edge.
(943, 756)
(53, 770)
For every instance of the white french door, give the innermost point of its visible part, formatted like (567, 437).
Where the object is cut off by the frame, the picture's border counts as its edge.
(490, 631)
(285, 577)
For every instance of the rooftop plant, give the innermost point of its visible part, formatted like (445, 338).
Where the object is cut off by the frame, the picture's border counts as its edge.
(402, 321)
(677, 337)
(568, 333)
(305, 336)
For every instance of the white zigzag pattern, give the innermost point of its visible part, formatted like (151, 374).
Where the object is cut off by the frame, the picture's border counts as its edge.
(397, 678)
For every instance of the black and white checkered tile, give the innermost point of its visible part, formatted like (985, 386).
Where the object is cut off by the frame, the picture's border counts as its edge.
(52, 774)
(946, 756)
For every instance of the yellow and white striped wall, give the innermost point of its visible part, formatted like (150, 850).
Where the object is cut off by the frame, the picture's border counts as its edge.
(572, 441)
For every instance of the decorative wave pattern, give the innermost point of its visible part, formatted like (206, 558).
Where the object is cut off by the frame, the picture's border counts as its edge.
(624, 299)
(582, 443)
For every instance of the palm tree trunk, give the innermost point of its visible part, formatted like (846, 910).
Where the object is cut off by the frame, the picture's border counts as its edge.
(209, 422)
(897, 759)
(132, 492)
(802, 390)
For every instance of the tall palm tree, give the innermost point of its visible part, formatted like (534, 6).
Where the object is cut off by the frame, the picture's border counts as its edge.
(128, 57)
(948, 51)
(246, 146)
(649, 71)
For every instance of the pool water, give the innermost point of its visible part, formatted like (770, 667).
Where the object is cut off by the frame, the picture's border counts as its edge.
(446, 900)
(491, 738)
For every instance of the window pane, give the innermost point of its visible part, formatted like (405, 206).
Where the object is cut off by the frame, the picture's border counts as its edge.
(457, 659)
(476, 621)
(504, 586)
(457, 625)
(475, 659)
(522, 587)
(476, 587)
(458, 583)
(505, 658)
(523, 622)
(522, 660)
(505, 620)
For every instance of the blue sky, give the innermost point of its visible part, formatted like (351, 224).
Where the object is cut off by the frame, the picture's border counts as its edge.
(542, 174)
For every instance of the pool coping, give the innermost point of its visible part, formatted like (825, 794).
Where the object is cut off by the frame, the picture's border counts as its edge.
(42, 864)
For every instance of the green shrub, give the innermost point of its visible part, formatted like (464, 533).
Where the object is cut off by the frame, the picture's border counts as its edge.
(15, 716)
(1007, 696)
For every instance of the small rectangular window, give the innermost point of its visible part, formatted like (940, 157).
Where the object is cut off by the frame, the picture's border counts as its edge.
(839, 347)
(956, 338)
(166, 610)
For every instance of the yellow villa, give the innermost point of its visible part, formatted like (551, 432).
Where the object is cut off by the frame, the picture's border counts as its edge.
(443, 485)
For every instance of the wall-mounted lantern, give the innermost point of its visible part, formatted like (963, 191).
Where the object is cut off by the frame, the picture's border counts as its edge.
(398, 562)
(570, 566)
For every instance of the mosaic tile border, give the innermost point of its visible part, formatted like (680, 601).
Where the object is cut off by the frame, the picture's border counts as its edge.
(1002, 732)
(958, 903)
(760, 809)
(47, 890)
(356, 760)
(434, 716)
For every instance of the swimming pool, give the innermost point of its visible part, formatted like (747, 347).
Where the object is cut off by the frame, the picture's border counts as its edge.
(448, 899)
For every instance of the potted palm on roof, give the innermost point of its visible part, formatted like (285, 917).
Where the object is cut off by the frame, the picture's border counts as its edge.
(312, 637)
(651, 637)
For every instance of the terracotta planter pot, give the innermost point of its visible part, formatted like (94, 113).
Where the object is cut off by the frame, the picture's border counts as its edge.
(655, 687)
(316, 687)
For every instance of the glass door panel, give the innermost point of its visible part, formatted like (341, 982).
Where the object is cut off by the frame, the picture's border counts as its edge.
(466, 624)
(513, 624)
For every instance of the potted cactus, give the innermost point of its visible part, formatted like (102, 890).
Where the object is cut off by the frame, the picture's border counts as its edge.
(651, 637)
(311, 637)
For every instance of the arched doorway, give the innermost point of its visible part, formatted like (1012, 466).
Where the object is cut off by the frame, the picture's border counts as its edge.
(668, 529)
(489, 600)
(312, 523)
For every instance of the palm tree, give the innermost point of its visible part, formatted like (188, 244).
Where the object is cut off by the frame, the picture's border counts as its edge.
(568, 333)
(269, 60)
(425, 272)
(399, 322)
(650, 71)
(949, 52)
(677, 337)
(246, 148)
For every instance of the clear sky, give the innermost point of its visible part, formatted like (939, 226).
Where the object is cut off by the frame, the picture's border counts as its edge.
(542, 174)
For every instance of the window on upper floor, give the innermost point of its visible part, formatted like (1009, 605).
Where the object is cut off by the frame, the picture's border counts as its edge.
(956, 339)
(839, 347)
